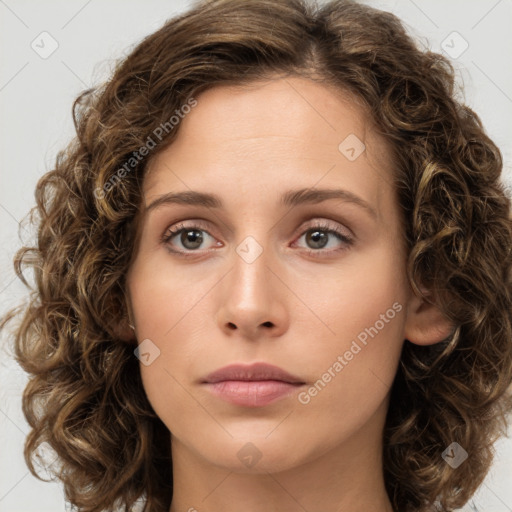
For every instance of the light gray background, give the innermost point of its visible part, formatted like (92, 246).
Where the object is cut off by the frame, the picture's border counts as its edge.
(36, 95)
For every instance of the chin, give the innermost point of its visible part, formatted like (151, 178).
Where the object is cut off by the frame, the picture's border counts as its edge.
(257, 454)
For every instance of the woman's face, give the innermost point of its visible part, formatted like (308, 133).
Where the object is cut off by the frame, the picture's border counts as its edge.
(298, 262)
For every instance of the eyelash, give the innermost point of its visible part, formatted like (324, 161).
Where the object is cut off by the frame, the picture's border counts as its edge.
(172, 232)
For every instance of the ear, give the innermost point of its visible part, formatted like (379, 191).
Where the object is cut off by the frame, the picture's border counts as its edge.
(122, 329)
(425, 324)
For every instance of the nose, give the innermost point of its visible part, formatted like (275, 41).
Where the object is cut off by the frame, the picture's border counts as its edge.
(252, 298)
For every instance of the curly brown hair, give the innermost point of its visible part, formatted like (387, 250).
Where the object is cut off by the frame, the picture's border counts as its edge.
(85, 397)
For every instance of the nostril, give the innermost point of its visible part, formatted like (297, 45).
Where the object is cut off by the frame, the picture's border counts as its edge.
(268, 324)
(231, 325)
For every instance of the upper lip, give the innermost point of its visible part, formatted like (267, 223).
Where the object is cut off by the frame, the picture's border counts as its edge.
(252, 372)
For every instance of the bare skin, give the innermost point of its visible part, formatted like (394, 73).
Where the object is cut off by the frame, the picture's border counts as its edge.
(307, 451)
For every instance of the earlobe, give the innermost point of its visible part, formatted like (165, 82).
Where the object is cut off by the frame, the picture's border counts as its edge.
(425, 323)
(125, 330)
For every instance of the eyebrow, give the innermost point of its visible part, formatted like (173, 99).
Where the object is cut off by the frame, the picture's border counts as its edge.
(288, 199)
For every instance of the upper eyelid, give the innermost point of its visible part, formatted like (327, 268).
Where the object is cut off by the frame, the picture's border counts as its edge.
(203, 224)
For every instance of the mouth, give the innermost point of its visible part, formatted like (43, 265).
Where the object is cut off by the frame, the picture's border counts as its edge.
(253, 385)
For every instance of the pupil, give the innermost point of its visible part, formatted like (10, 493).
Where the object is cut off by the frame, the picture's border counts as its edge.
(193, 236)
(318, 236)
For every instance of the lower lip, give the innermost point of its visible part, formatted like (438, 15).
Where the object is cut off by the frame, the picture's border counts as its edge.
(252, 393)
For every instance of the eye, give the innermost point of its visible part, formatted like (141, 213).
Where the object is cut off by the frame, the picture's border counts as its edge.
(318, 237)
(190, 237)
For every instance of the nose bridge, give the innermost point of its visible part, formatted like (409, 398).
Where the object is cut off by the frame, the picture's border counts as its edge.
(251, 281)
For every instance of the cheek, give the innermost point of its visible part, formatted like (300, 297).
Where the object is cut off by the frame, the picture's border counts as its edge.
(166, 307)
(165, 296)
(354, 361)
(170, 397)
(352, 377)
(340, 304)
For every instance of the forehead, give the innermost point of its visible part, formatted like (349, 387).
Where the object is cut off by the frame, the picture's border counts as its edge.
(282, 108)
(253, 145)
(286, 119)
